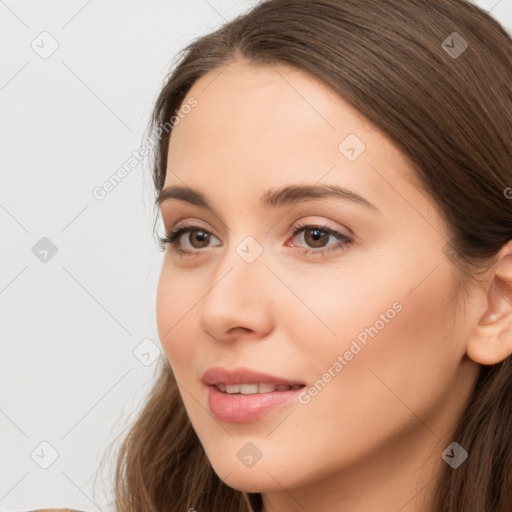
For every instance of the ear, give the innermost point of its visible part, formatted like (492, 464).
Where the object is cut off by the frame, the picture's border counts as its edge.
(490, 341)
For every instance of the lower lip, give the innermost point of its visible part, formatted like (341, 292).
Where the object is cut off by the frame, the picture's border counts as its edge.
(245, 408)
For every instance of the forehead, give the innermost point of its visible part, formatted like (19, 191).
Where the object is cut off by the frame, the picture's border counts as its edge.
(261, 126)
(276, 106)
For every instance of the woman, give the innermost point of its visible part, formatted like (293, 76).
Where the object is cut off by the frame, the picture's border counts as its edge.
(409, 106)
(335, 300)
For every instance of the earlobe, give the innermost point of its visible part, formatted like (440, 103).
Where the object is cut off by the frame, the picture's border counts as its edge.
(490, 341)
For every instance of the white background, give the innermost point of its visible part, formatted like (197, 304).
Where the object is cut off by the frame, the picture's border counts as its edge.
(69, 326)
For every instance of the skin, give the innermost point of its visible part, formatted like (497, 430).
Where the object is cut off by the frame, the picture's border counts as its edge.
(372, 438)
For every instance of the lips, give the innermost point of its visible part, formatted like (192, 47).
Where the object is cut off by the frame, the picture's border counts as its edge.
(242, 395)
(249, 389)
(218, 376)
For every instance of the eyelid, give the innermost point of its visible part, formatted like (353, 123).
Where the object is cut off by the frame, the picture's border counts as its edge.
(183, 228)
(192, 224)
(187, 228)
(302, 227)
(189, 223)
(318, 224)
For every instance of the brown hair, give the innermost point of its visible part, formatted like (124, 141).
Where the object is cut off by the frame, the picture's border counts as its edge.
(451, 114)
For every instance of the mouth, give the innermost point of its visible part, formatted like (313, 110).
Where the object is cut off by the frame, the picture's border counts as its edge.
(242, 395)
(256, 388)
(244, 408)
(248, 381)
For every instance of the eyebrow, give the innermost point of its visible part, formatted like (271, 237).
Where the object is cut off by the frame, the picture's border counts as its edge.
(272, 198)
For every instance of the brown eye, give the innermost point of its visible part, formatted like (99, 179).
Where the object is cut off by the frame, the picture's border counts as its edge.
(316, 237)
(200, 236)
(197, 238)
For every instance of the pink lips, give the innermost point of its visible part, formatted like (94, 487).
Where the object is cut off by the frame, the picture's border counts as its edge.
(241, 408)
(242, 375)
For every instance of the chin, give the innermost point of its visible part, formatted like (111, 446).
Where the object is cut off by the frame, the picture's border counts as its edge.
(268, 474)
(253, 481)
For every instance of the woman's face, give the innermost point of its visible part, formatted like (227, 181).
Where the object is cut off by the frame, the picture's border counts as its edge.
(365, 320)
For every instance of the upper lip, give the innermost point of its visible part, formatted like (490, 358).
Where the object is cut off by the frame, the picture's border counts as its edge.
(241, 375)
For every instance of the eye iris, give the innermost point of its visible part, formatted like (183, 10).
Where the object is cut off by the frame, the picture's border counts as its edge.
(319, 234)
(201, 236)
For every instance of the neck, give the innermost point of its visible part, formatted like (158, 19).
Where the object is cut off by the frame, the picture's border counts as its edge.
(401, 478)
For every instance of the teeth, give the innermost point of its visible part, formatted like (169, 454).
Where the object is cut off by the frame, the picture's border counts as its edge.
(251, 389)
(266, 388)
(248, 389)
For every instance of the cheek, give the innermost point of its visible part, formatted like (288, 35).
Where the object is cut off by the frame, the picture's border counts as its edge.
(174, 309)
(394, 381)
(339, 304)
(398, 347)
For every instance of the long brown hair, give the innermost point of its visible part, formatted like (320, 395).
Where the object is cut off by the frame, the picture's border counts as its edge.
(448, 107)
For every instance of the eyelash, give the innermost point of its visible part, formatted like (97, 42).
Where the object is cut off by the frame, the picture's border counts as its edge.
(181, 229)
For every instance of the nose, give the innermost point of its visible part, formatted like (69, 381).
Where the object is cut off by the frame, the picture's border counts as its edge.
(238, 298)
